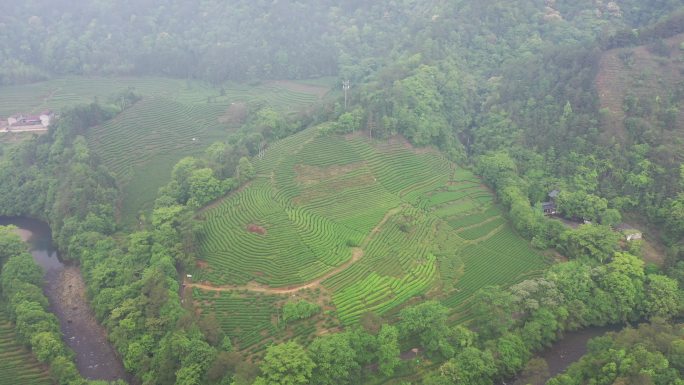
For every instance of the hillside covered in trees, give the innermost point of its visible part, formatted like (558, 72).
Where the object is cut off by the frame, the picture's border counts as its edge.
(247, 40)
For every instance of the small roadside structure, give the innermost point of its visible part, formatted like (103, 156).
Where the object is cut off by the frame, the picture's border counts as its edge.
(629, 232)
(46, 118)
(550, 206)
(42, 120)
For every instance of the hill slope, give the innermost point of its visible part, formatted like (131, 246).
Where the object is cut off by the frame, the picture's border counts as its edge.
(372, 224)
(174, 120)
(641, 90)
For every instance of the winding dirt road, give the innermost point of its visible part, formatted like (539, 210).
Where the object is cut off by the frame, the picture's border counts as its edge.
(357, 254)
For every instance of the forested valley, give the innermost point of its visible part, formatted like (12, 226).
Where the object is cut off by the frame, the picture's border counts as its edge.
(307, 192)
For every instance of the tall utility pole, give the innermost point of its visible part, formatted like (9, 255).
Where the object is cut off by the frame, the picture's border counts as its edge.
(345, 87)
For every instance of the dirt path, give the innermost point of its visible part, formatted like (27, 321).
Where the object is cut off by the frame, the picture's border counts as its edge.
(24, 129)
(490, 219)
(51, 95)
(357, 254)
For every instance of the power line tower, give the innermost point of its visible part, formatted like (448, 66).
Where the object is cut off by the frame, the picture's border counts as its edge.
(345, 86)
(371, 125)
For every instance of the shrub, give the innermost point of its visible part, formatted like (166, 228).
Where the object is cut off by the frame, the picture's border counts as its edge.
(301, 309)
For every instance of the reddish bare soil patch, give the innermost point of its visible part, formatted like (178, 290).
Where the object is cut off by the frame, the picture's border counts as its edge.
(201, 264)
(311, 175)
(399, 140)
(356, 134)
(252, 228)
(326, 185)
(652, 254)
(235, 115)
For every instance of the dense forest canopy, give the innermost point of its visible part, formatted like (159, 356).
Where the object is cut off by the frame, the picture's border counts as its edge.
(516, 91)
(246, 40)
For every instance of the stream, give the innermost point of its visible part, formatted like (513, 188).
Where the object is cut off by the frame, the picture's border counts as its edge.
(568, 350)
(96, 358)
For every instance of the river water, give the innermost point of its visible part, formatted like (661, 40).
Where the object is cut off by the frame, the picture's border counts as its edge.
(571, 348)
(565, 352)
(96, 358)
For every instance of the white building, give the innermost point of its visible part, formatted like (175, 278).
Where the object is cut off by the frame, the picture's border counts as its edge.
(44, 120)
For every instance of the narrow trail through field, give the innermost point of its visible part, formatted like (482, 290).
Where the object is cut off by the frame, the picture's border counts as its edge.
(357, 254)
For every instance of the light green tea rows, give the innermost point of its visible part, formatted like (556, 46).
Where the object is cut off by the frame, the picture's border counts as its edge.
(252, 321)
(176, 118)
(502, 259)
(152, 127)
(414, 221)
(57, 94)
(283, 245)
(17, 364)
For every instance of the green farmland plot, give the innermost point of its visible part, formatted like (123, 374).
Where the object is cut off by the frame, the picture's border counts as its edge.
(246, 319)
(60, 93)
(372, 224)
(143, 143)
(502, 259)
(285, 245)
(17, 364)
(176, 118)
(253, 320)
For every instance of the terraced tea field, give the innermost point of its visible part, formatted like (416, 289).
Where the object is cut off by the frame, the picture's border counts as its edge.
(17, 364)
(254, 320)
(176, 118)
(371, 224)
(61, 93)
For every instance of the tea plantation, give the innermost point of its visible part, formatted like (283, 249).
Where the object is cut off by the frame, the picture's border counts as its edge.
(371, 223)
(17, 364)
(176, 118)
(60, 93)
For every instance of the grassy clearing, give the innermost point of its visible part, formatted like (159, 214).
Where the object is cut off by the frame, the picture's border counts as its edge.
(425, 227)
(17, 364)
